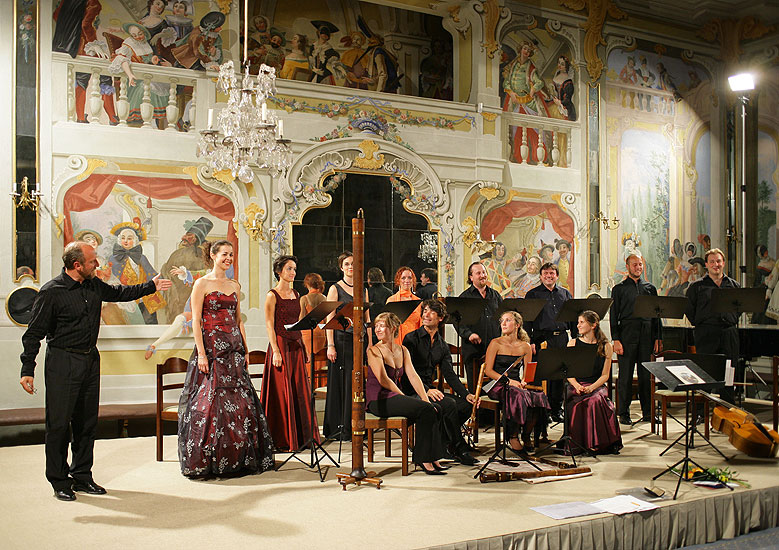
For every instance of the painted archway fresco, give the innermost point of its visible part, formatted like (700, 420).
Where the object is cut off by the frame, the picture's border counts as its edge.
(660, 164)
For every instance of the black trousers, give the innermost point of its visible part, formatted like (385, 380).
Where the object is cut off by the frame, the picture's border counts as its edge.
(72, 400)
(454, 412)
(338, 403)
(428, 437)
(717, 339)
(637, 348)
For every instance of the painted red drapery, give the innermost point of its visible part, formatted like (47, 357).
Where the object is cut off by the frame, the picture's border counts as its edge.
(496, 221)
(93, 191)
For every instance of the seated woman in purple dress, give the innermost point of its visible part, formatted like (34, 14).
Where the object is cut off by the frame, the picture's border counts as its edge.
(387, 362)
(506, 357)
(222, 430)
(592, 417)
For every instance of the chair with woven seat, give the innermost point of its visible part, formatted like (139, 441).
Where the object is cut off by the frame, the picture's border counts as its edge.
(167, 412)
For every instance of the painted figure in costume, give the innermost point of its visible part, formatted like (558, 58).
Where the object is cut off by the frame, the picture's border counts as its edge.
(628, 73)
(131, 267)
(563, 88)
(435, 73)
(274, 56)
(180, 19)
(323, 56)
(497, 271)
(260, 36)
(188, 256)
(94, 239)
(297, 60)
(666, 82)
(136, 49)
(382, 65)
(202, 48)
(531, 278)
(563, 262)
(354, 61)
(76, 34)
(222, 430)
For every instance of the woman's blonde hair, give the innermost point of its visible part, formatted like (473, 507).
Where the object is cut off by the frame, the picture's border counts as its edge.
(390, 320)
(521, 333)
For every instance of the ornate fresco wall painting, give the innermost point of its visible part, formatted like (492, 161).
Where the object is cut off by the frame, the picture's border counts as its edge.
(124, 36)
(767, 188)
(353, 44)
(538, 79)
(526, 235)
(144, 226)
(658, 106)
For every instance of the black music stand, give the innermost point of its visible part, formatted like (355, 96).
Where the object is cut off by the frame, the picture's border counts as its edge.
(309, 322)
(573, 307)
(500, 450)
(528, 308)
(564, 363)
(463, 311)
(738, 301)
(699, 380)
(402, 309)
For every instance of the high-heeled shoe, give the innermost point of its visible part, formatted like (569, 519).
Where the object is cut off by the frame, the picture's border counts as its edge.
(527, 445)
(518, 448)
(433, 472)
(441, 467)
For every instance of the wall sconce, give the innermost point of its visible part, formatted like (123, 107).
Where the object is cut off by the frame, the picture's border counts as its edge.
(608, 224)
(252, 221)
(24, 198)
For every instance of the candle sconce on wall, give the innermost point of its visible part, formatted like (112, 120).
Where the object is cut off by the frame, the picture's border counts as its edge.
(608, 224)
(252, 222)
(23, 198)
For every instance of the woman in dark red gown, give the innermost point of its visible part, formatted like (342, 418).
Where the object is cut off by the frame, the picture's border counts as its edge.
(222, 430)
(591, 415)
(286, 392)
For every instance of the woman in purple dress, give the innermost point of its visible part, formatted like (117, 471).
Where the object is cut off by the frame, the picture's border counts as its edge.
(506, 358)
(222, 430)
(286, 391)
(388, 362)
(592, 417)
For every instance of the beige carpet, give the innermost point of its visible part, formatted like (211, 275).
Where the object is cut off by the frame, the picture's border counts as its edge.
(151, 505)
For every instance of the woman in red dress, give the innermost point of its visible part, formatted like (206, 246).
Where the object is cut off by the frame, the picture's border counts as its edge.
(286, 393)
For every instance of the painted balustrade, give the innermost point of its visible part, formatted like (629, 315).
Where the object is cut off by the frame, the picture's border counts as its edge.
(640, 98)
(539, 141)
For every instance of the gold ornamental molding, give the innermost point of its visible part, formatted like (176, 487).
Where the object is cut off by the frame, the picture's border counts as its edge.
(597, 11)
(491, 13)
(369, 158)
(92, 165)
(729, 33)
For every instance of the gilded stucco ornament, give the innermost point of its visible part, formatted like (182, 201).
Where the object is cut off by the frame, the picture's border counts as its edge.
(491, 13)
(597, 11)
(369, 158)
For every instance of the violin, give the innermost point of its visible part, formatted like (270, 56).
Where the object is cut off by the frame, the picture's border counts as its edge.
(744, 430)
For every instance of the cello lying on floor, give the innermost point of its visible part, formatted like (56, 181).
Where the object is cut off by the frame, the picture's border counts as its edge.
(744, 430)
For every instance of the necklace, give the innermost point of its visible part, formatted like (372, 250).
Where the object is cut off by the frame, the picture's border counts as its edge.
(347, 284)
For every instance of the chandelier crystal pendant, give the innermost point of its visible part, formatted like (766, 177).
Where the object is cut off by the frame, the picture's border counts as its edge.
(246, 132)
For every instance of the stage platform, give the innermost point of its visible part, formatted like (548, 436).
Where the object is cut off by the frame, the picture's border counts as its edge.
(150, 505)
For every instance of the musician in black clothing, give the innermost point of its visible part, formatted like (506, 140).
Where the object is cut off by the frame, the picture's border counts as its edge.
(545, 328)
(635, 338)
(476, 338)
(67, 312)
(429, 350)
(427, 287)
(714, 332)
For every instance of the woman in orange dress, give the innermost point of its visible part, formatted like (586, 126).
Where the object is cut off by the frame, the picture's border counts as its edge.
(406, 281)
(315, 286)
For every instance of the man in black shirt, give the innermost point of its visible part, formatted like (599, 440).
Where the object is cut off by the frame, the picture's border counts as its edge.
(546, 328)
(427, 287)
(429, 350)
(377, 292)
(67, 312)
(476, 338)
(714, 332)
(634, 339)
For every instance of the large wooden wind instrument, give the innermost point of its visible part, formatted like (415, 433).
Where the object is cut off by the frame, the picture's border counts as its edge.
(470, 426)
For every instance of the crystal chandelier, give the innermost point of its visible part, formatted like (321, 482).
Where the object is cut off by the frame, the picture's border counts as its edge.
(246, 132)
(428, 250)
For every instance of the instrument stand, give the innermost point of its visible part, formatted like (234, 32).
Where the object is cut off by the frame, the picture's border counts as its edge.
(348, 479)
(500, 451)
(686, 461)
(308, 323)
(691, 428)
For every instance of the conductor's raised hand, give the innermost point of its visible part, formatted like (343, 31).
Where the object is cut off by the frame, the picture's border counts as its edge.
(161, 284)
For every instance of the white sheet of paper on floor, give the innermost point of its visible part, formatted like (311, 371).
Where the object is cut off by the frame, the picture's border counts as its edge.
(567, 510)
(623, 504)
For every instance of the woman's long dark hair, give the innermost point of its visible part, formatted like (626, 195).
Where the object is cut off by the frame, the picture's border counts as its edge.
(594, 319)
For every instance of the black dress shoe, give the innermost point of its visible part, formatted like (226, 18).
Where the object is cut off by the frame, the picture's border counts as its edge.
(465, 459)
(557, 417)
(64, 494)
(89, 487)
(433, 472)
(625, 420)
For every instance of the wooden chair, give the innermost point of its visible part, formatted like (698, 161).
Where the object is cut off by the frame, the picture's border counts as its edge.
(256, 357)
(665, 397)
(397, 423)
(167, 412)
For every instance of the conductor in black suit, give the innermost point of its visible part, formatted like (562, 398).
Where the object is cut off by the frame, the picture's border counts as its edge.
(476, 338)
(67, 313)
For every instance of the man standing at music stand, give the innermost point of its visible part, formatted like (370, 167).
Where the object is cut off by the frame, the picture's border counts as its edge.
(546, 328)
(714, 332)
(477, 337)
(429, 350)
(635, 338)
